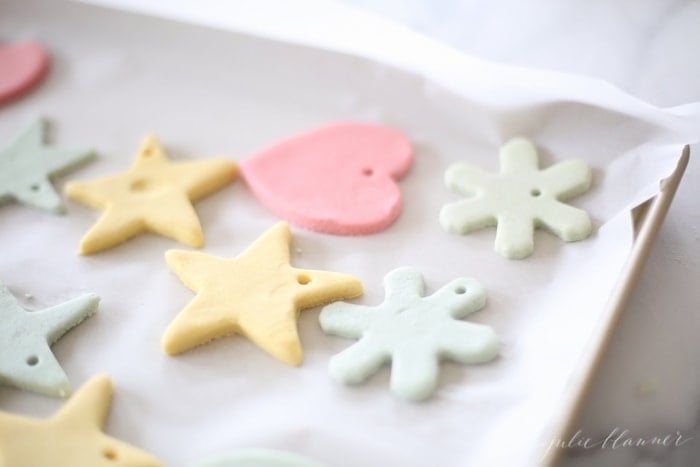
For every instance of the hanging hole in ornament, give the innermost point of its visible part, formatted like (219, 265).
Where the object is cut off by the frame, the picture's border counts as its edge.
(110, 454)
(303, 279)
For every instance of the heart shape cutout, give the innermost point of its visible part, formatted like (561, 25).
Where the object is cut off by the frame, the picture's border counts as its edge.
(22, 66)
(338, 179)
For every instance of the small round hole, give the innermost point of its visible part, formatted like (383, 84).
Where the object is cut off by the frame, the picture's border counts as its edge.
(32, 360)
(535, 192)
(138, 185)
(110, 454)
(460, 290)
(146, 152)
(35, 187)
(303, 279)
(367, 172)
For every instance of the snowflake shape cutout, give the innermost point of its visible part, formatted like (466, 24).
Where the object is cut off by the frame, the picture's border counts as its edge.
(412, 331)
(518, 199)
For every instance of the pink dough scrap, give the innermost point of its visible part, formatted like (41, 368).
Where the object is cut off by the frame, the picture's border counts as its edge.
(338, 179)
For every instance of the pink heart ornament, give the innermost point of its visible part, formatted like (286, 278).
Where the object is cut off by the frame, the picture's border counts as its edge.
(338, 179)
(22, 66)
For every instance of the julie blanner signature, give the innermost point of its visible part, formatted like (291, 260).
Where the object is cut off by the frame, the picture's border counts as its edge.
(618, 438)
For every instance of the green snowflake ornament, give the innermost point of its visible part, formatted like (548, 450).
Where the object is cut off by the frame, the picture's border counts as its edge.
(411, 331)
(518, 199)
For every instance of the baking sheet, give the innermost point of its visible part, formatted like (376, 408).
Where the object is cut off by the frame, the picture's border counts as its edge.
(647, 219)
(210, 93)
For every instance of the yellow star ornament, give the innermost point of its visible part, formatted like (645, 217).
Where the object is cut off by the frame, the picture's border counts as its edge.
(257, 294)
(72, 437)
(154, 195)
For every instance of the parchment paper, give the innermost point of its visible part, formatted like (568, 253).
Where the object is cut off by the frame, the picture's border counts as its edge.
(205, 92)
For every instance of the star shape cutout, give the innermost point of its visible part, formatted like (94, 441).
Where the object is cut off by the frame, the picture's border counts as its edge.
(411, 331)
(26, 360)
(72, 437)
(518, 199)
(257, 294)
(154, 195)
(28, 165)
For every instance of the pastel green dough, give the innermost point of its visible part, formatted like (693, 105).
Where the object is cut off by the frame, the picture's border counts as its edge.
(27, 166)
(26, 360)
(258, 458)
(411, 331)
(518, 199)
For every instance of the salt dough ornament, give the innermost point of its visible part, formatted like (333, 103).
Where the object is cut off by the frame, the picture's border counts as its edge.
(338, 179)
(27, 166)
(258, 458)
(518, 199)
(154, 195)
(22, 66)
(257, 294)
(72, 437)
(26, 360)
(412, 331)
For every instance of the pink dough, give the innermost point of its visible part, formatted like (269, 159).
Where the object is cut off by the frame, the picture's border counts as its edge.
(22, 66)
(338, 179)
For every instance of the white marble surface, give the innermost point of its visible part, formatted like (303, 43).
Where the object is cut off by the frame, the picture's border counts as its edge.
(649, 382)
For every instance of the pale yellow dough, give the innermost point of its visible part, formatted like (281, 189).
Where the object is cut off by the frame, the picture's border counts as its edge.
(72, 437)
(257, 294)
(154, 195)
